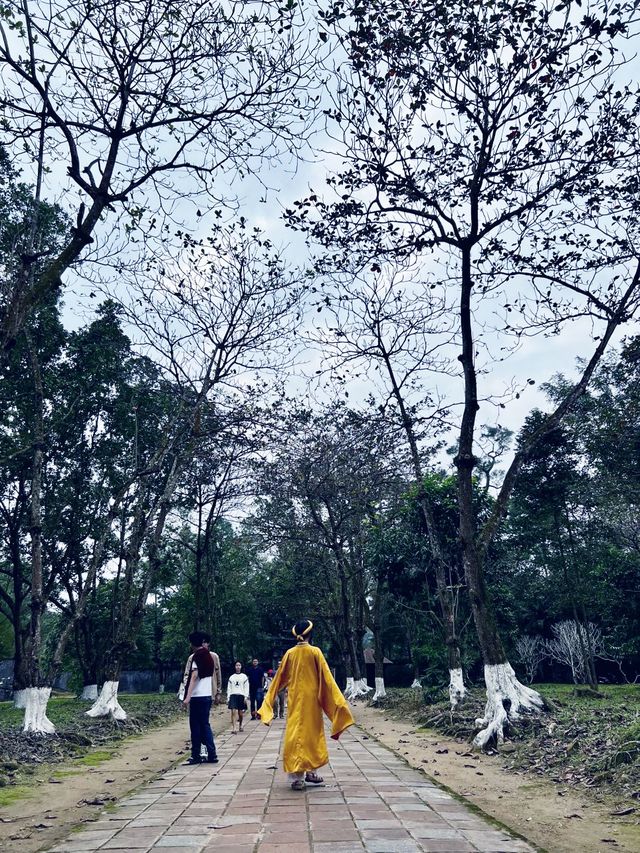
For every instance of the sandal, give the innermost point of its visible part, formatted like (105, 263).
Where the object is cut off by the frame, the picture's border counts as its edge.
(313, 778)
(298, 785)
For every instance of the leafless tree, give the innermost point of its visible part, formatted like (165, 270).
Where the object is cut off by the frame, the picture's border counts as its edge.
(127, 106)
(570, 639)
(531, 651)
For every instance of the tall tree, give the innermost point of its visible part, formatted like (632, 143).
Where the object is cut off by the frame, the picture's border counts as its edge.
(494, 140)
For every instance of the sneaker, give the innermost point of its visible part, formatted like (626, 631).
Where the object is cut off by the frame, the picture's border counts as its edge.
(193, 761)
(212, 760)
(313, 779)
(298, 785)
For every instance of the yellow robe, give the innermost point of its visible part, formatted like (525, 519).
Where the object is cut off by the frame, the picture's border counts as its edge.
(312, 690)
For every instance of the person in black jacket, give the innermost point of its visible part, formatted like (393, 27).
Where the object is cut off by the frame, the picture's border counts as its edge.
(255, 674)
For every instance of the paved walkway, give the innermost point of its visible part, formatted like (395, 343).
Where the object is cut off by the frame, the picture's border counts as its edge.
(372, 801)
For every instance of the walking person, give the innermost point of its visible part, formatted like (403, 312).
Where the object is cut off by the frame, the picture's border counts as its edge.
(255, 674)
(312, 690)
(280, 705)
(198, 700)
(237, 696)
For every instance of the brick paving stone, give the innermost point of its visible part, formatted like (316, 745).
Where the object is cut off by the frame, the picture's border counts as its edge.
(372, 802)
(385, 845)
(377, 834)
(378, 824)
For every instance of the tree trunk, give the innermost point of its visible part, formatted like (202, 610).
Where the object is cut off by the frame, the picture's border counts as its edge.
(36, 694)
(506, 696)
(380, 691)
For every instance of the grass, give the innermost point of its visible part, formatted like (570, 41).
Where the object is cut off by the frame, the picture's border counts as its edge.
(67, 710)
(92, 759)
(13, 793)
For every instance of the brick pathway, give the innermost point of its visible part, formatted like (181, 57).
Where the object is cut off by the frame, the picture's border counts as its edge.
(372, 801)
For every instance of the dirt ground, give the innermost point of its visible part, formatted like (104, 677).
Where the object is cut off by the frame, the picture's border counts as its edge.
(532, 807)
(68, 794)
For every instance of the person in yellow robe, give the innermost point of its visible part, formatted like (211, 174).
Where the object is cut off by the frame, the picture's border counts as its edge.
(312, 690)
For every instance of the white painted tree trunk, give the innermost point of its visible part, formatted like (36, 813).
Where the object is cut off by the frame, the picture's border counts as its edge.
(380, 691)
(415, 684)
(457, 690)
(107, 705)
(362, 687)
(89, 693)
(355, 689)
(503, 687)
(19, 699)
(35, 711)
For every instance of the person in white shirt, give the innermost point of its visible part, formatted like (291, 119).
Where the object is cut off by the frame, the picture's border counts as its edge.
(198, 700)
(237, 696)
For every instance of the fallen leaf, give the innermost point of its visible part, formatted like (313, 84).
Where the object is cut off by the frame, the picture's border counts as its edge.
(623, 812)
(574, 815)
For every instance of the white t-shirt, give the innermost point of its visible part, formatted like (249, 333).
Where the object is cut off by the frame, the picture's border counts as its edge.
(202, 686)
(238, 684)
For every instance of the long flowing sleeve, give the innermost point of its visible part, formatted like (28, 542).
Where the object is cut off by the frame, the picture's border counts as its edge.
(279, 682)
(333, 702)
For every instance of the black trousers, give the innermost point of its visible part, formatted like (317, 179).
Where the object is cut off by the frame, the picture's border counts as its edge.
(256, 695)
(201, 733)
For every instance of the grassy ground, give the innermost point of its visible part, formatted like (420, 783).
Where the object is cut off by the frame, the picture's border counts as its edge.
(583, 741)
(77, 736)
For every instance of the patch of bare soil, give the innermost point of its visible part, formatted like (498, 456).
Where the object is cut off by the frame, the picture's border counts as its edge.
(556, 820)
(64, 795)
